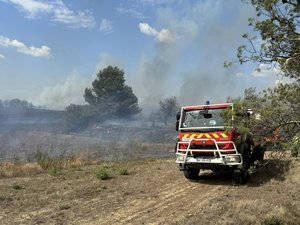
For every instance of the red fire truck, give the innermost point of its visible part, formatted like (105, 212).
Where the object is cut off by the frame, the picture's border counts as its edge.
(206, 142)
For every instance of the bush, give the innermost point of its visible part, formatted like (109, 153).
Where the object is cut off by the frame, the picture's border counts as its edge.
(64, 206)
(102, 174)
(273, 221)
(123, 171)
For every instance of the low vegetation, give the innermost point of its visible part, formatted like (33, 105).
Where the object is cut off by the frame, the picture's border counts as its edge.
(123, 171)
(154, 192)
(102, 174)
(273, 220)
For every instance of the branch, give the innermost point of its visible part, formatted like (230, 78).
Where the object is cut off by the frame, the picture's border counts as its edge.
(297, 122)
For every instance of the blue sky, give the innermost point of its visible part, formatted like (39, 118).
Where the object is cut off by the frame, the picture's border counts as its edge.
(50, 51)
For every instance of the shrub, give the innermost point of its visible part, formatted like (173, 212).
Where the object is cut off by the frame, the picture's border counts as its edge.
(102, 174)
(17, 187)
(64, 206)
(123, 171)
(273, 221)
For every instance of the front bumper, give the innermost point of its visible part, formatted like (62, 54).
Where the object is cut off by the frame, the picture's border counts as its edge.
(220, 157)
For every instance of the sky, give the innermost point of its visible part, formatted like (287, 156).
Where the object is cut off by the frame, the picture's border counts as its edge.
(51, 50)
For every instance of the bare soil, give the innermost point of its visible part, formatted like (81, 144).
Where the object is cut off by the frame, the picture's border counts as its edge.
(154, 192)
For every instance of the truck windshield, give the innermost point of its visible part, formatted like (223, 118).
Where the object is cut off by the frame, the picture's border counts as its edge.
(203, 118)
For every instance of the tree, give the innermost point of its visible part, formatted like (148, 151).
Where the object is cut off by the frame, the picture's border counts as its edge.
(276, 116)
(278, 24)
(75, 118)
(168, 109)
(17, 104)
(109, 95)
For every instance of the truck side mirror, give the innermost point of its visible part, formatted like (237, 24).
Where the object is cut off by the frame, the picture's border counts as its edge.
(177, 125)
(178, 116)
(177, 121)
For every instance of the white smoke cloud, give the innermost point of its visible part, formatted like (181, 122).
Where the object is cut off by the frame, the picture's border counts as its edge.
(62, 94)
(2, 56)
(71, 90)
(191, 65)
(165, 35)
(22, 48)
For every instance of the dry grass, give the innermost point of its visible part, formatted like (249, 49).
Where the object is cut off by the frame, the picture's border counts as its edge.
(19, 170)
(45, 163)
(154, 192)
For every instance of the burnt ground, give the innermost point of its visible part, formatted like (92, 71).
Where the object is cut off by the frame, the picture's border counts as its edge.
(154, 192)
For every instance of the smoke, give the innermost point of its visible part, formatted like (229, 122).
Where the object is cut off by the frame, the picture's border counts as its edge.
(154, 73)
(63, 94)
(191, 65)
(164, 35)
(192, 42)
(71, 90)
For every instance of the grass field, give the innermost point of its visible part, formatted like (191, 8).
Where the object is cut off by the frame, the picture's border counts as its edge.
(147, 191)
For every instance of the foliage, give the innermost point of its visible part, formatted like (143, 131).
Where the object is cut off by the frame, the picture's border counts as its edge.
(123, 171)
(77, 117)
(273, 221)
(102, 174)
(276, 117)
(13, 106)
(168, 109)
(16, 104)
(294, 145)
(278, 25)
(50, 164)
(110, 97)
(55, 164)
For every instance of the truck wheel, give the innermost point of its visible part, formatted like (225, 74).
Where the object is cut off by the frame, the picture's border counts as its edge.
(240, 176)
(258, 153)
(244, 151)
(191, 173)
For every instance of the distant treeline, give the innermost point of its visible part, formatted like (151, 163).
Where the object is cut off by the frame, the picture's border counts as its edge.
(16, 103)
(19, 114)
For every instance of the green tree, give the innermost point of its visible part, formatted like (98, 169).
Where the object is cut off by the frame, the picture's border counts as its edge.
(168, 109)
(278, 24)
(74, 117)
(109, 95)
(275, 117)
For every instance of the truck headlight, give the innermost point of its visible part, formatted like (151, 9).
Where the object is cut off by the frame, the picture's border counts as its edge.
(233, 158)
(180, 158)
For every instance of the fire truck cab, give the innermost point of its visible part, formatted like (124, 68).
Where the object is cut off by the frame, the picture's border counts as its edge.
(204, 142)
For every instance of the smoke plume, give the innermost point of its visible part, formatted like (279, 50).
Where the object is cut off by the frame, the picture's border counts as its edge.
(191, 65)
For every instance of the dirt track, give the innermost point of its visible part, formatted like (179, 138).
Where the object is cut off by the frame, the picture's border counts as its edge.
(154, 192)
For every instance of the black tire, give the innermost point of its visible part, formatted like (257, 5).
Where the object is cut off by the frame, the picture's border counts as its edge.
(240, 176)
(244, 151)
(191, 173)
